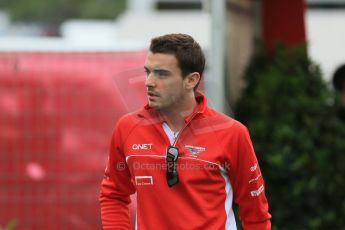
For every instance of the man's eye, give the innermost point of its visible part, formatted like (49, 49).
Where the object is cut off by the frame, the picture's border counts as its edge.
(162, 74)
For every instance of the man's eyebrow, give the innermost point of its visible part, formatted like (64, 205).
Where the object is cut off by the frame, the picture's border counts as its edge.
(158, 70)
(161, 70)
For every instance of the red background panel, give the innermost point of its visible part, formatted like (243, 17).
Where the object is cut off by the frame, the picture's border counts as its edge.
(57, 112)
(283, 21)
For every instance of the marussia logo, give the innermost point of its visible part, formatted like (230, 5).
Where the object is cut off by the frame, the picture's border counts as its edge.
(194, 149)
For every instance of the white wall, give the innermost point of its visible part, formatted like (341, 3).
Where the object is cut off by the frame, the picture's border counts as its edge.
(326, 38)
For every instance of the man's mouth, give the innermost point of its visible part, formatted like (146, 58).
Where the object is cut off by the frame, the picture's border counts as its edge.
(152, 94)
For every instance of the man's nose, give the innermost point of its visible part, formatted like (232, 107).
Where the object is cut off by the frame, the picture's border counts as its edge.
(150, 81)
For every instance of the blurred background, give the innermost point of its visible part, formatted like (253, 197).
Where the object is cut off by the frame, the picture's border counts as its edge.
(70, 69)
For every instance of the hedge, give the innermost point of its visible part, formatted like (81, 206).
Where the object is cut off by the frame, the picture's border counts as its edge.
(299, 140)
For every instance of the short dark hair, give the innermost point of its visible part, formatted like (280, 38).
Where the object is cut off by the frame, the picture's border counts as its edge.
(189, 55)
(339, 78)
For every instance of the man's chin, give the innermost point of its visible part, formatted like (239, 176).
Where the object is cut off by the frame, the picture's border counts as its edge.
(154, 105)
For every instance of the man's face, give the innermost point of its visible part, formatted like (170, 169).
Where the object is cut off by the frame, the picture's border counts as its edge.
(164, 82)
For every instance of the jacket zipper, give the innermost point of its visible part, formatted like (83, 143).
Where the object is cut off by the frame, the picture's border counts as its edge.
(179, 133)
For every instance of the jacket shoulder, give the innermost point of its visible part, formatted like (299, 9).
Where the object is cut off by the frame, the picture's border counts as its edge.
(126, 124)
(219, 119)
(133, 118)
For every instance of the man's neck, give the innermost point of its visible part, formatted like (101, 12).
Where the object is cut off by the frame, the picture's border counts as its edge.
(175, 118)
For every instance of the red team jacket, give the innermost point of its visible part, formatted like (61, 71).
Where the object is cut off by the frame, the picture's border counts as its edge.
(216, 166)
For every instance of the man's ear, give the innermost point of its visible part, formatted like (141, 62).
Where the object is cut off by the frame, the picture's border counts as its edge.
(192, 80)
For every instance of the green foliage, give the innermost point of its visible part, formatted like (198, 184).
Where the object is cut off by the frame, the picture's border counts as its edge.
(56, 11)
(299, 140)
(11, 225)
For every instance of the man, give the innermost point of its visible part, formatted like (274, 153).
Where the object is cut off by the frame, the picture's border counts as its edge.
(186, 162)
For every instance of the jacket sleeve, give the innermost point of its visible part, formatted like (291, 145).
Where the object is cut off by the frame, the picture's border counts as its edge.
(248, 184)
(116, 188)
